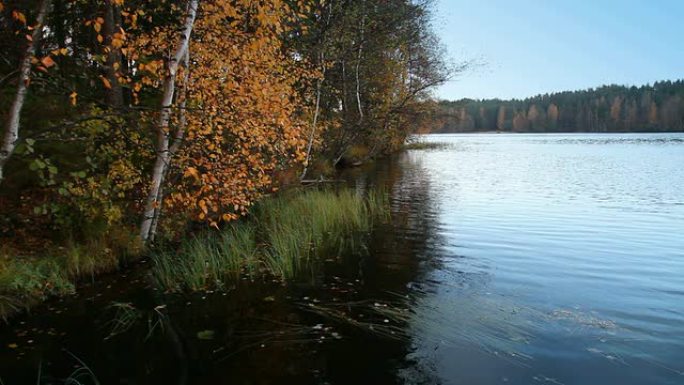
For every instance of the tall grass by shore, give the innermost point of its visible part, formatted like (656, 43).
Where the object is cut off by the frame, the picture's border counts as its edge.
(207, 260)
(282, 234)
(27, 280)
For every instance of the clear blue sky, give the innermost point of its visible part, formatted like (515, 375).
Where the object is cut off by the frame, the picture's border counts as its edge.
(527, 47)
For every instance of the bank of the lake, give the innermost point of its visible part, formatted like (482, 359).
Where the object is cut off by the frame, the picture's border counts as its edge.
(508, 259)
(282, 235)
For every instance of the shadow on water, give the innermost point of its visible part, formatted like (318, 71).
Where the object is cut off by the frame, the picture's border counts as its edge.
(345, 321)
(518, 259)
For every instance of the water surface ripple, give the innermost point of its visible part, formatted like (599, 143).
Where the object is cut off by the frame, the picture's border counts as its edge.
(562, 260)
(509, 259)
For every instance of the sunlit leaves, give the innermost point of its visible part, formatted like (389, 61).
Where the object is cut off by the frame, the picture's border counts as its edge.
(244, 123)
(47, 62)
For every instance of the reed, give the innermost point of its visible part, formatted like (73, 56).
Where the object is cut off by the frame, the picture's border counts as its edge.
(283, 234)
(300, 227)
(207, 260)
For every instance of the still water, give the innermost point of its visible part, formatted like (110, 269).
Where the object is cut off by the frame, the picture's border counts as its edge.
(509, 259)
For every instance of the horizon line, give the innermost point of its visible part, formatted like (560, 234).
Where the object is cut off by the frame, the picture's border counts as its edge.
(551, 93)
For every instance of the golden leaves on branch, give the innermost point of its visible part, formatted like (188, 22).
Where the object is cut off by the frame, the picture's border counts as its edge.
(243, 126)
(47, 62)
(105, 82)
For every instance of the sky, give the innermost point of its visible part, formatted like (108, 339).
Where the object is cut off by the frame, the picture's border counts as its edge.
(521, 48)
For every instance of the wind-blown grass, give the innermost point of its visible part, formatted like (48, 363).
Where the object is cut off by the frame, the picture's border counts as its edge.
(283, 234)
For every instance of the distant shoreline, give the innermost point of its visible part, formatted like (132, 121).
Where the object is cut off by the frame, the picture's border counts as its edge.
(555, 132)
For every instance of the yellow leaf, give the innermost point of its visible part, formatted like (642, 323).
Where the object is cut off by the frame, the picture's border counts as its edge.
(47, 62)
(100, 39)
(191, 171)
(18, 16)
(73, 98)
(106, 82)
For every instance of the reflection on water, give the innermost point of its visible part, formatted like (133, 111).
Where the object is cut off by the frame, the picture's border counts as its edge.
(514, 259)
(562, 260)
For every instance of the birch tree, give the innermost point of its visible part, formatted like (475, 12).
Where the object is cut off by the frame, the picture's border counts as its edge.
(163, 156)
(11, 133)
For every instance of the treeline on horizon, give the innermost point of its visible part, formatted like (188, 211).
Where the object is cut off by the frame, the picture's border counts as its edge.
(613, 108)
(127, 119)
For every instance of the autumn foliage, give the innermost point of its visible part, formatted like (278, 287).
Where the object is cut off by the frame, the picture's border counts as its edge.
(150, 115)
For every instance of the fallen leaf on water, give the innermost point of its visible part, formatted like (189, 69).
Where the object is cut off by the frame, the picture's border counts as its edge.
(206, 335)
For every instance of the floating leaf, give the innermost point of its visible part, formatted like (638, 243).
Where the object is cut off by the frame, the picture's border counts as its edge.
(206, 335)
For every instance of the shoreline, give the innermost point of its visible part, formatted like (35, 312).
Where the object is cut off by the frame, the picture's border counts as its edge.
(271, 241)
(553, 133)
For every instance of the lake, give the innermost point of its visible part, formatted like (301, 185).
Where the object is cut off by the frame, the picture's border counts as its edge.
(509, 259)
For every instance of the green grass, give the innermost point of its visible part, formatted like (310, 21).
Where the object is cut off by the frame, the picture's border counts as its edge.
(283, 234)
(297, 228)
(206, 261)
(27, 280)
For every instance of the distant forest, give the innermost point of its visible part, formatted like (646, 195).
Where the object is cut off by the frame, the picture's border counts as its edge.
(657, 107)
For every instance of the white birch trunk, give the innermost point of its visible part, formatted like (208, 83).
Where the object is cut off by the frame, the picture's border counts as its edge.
(175, 145)
(358, 64)
(11, 134)
(163, 156)
(319, 85)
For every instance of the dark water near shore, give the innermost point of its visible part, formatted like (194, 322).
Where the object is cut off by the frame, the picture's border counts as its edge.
(510, 259)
